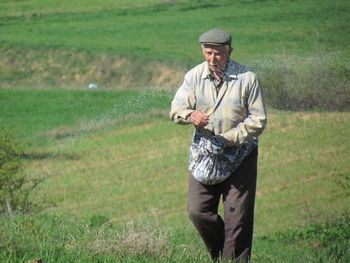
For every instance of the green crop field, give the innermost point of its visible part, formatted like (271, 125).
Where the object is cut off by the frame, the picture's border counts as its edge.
(111, 168)
(161, 31)
(151, 44)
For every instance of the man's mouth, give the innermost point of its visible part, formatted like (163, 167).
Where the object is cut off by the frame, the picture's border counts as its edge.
(216, 67)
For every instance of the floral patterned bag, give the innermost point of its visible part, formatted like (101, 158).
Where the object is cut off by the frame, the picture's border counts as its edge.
(211, 163)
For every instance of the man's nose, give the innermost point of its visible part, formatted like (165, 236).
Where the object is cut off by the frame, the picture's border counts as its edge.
(212, 59)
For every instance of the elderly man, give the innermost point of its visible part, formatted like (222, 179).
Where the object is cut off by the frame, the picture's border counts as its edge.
(223, 100)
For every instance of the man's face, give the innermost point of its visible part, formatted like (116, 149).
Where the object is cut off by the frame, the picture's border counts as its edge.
(216, 56)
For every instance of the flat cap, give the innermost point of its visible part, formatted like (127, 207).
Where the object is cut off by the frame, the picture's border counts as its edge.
(215, 37)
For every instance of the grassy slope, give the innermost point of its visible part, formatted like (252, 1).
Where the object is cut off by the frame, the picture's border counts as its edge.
(303, 158)
(115, 154)
(30, 112)
(136, 171)
(102, 164)
(161, 31)
(40, 7)
(298, 48)
(299, 165)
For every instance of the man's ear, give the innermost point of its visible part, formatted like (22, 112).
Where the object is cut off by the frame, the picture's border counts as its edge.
(230, 51)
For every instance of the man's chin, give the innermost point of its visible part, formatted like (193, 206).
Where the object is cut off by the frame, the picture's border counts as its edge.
(216, 71)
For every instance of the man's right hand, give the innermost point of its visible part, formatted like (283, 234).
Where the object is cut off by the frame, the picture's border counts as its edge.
(199, 118)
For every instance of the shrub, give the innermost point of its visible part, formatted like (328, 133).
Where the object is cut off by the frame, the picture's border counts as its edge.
(10, 168)
(15, 186)
(311, 87)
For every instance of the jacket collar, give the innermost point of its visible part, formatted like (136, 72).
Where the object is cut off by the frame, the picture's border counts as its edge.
(231, 72)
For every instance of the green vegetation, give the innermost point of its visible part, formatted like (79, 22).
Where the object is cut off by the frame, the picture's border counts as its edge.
(299, 48)
(263, 28)
(108, 167)
(40, 7)
(10, 182)
(322, 242)
(15, 184)
(56, 239)
(132, 170)
(32, 112)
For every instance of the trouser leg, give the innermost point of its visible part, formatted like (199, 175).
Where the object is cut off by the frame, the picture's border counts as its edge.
(203, 205)
(239, 197)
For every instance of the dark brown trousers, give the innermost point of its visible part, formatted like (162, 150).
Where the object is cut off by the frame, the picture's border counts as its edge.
(229, 238)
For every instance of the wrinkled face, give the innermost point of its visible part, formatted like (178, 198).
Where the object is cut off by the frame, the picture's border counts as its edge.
(216, 56)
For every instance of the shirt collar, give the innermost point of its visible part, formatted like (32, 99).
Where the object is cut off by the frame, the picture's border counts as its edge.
(231, 71)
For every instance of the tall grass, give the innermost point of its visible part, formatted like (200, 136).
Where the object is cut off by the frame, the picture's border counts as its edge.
(321, 242)
(57, 239)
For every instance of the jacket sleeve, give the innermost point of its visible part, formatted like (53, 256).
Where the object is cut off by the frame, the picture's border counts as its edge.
(184, 102)
(253, 125)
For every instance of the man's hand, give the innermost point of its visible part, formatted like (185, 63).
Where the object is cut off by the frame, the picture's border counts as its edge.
(199, 118)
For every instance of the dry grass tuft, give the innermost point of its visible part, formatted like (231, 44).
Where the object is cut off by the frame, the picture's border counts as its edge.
(133, 241)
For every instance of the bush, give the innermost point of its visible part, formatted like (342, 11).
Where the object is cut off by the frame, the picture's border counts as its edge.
(10, 168)
(15, 186)
(312, 87)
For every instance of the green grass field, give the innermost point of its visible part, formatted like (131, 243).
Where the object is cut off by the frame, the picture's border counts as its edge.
(116, 167)
(132, 168)
(32, 111)
(266, 34)
(298, 48)
(154, 31)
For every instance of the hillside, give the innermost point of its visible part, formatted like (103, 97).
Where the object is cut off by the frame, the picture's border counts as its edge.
(66, 44)
(110, 166)
(301, 169)
(124, 165)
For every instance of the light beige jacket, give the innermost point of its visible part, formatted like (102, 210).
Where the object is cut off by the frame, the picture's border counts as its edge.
(237, 112)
